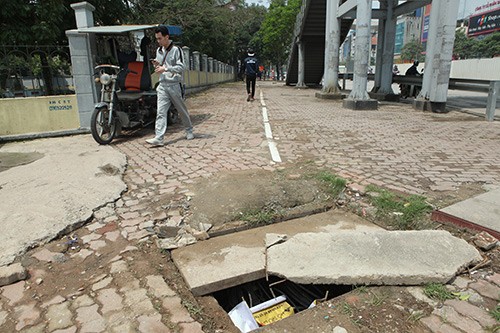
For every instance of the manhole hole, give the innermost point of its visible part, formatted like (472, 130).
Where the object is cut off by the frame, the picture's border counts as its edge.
(299, 296)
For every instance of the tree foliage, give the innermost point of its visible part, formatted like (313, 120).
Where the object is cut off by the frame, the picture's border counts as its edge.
(412, 51)
(218, 31)
(275, 34)
(45, 22)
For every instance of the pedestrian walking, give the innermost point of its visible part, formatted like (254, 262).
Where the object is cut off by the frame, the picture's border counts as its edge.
(251, 65)
(169, 64)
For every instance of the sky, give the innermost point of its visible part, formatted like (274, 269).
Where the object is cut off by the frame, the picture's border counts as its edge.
(466, 8)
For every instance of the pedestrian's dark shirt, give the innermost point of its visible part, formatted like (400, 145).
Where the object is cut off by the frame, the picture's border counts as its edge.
(412, 71)
(251, 66)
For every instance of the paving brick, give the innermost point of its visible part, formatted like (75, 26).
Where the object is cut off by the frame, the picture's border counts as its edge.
(110, 300)
(158, 286)
(12, 273)
(437, 325)
(13, 292)
(486, 289)
(468, 310)
(452, 317)
(71, 329)
(178, 312)
(58, 316)
(495, 278)
(193, 327)
(152, 324)
(26, 315)
(90, 320)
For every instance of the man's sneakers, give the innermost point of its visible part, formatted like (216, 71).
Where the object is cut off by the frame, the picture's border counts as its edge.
(249, 97)
(155, 142)
(189, 135)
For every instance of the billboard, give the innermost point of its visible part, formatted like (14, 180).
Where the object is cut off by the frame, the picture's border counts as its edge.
(425, 23)
(484, 23)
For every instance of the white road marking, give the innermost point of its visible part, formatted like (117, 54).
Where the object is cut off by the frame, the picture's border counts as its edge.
(273, 148)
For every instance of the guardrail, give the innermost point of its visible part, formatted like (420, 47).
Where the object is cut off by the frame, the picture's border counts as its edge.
(491, 87)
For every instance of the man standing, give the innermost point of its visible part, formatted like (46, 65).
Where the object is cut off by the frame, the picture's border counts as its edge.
(251, 68)
(168, 63)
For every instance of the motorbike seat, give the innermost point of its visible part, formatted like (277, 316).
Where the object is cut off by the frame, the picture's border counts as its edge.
(136, 78)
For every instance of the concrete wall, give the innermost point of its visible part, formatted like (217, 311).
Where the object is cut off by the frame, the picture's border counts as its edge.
(38, 114)
(45, 114)
(478, 69)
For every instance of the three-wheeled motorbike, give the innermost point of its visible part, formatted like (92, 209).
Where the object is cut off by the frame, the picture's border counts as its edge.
(127, 98)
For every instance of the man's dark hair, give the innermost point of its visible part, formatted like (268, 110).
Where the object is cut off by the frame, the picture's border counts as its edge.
(163, 29)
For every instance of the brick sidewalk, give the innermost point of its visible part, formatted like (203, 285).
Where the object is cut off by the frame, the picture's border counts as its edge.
(396, 147)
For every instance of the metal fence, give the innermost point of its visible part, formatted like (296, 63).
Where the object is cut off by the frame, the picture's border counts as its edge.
(35, 70)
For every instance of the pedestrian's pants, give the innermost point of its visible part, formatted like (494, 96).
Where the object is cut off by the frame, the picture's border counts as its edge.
(167, 95)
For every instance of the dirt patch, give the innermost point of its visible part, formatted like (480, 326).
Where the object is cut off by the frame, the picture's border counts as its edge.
(235, 196)
(10, 160)
(290, 189)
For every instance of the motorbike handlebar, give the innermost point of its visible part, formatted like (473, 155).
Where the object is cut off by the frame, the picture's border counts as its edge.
(107, 66)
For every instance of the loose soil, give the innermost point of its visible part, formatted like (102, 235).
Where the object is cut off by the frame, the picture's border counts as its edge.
(291, 191)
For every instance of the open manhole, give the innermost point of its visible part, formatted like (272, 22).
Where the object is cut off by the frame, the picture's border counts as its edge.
(264, 301)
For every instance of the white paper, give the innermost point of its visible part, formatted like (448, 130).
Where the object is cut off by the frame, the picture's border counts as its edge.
(242, 318)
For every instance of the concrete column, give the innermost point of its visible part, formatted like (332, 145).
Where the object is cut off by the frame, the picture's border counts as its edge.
(330, 88)
(196, 60)
(358, 98)
(210, 64)
(385, 91)
(84, 14)
(204, 62)
(380, 49)
(204, 67)
(185, 55)
(81, 47)
(438, 56)
(301, 61)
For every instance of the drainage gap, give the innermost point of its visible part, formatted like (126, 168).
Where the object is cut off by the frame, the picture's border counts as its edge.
(299, 296)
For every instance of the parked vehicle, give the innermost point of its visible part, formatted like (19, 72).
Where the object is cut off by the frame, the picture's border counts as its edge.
(127, 97)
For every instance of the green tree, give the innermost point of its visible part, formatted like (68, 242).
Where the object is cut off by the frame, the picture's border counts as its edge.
(489, 46)
(412, 51)
(214, 30)
(276, 32)
(463, 48)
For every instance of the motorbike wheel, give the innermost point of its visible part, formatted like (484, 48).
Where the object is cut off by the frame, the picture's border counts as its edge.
(102, 131)
(172, 116)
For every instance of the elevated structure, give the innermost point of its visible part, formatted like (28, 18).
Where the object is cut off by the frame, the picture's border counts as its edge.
(322, 26)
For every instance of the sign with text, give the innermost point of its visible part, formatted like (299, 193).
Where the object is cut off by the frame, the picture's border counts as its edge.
(484, 23)
(60, 104)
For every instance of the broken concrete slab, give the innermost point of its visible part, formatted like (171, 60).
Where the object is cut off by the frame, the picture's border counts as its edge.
(56, 192)
(230, 260)
(371, 257)
(12, 273)
(481, 212)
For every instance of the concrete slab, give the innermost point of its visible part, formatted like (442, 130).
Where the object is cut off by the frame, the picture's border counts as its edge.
(371, 257)
(56, 192)
(231, 260)
(481, 212)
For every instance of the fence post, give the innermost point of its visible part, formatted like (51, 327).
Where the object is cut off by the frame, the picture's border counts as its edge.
(493, 93)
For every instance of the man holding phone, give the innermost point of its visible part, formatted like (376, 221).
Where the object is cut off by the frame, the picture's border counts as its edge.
(168, 63)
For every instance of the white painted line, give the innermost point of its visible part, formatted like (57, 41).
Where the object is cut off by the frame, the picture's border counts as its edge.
(264, 114)
(269, 133)
(275, 155)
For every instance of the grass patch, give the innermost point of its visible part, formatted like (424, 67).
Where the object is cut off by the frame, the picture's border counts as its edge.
(193, 309)
(346, 309)
(377, 299)
(335, 185)
(402, 212)
(257, 217)
(438, 292)
(495, 313)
